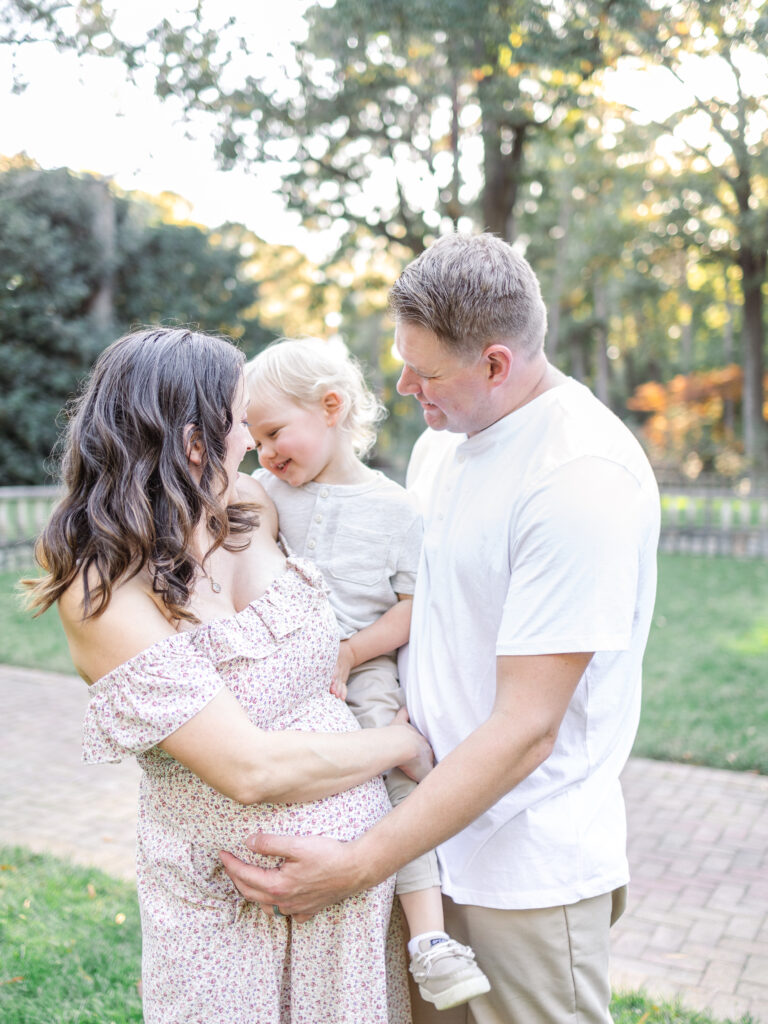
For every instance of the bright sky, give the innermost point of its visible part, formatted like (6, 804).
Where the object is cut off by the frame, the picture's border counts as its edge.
(85, 115)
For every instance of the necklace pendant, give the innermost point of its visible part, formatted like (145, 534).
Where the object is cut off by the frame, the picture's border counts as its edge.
(215, 587)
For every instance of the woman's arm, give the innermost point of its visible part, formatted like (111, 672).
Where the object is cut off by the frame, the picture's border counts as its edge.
(223, 747)
(219, 743)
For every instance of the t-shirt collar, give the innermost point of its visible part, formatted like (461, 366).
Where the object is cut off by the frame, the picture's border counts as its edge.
(504, 430)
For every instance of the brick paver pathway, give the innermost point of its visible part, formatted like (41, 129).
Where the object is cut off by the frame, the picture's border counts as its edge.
(697, 921)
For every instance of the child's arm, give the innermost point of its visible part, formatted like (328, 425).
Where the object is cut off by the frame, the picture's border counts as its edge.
(387, 633)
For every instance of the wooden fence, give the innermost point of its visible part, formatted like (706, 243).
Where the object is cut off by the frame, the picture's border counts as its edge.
(24, 512)
(702, 522)
(707, 522)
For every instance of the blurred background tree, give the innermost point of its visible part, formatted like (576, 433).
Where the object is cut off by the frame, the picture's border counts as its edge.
(395, 122)
(82, 264)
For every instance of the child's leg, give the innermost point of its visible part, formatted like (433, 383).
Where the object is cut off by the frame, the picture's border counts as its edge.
(418, 883)
(444, 970)
(423, 910)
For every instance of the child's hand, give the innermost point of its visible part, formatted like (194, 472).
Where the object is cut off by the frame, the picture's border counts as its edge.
(344, 665)
(421, 765)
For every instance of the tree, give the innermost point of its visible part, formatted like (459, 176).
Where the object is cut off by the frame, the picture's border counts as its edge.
(55, 316)
(724, 132)
(400, 118)
(82, 26)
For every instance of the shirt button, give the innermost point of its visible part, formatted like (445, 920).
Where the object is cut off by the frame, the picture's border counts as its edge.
(318, 518)
(440, 516)
(324, 492)
(311, 545)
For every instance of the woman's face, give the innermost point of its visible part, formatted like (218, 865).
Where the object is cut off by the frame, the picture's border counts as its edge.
(238, 442)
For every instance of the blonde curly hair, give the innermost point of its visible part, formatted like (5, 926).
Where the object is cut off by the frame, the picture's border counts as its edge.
(306, 369)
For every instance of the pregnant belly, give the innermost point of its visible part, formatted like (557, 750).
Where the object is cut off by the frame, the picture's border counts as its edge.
(179, 804)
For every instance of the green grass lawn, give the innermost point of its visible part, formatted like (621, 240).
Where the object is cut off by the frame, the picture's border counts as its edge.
(705, 699)
(70, 950)
(32, 643)
(69, 944)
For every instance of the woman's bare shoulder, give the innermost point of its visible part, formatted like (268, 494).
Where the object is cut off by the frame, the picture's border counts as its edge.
(252, 491)
(129, 624)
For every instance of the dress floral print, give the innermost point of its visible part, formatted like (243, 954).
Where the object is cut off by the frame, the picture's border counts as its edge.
(210, 957)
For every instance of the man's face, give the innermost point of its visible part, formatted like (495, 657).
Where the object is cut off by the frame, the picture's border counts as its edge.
(450, 388)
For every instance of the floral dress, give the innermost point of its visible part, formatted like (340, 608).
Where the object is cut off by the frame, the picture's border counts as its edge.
(210, 957)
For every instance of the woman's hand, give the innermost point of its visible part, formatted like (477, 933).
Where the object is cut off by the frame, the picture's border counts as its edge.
(423, 761)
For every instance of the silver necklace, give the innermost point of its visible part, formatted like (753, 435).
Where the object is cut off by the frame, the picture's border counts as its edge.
(215, 585)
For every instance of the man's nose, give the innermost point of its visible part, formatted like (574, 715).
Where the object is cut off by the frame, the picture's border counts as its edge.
(407, 383)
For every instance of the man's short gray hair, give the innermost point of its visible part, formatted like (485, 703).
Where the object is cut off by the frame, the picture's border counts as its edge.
(471, 291)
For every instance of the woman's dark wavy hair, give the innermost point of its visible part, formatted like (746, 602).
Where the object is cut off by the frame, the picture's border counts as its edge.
(129, 499)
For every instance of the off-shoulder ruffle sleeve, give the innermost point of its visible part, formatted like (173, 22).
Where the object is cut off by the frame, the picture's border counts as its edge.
(147, 698)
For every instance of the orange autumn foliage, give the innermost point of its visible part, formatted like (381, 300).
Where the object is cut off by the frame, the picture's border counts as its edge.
(689, 409)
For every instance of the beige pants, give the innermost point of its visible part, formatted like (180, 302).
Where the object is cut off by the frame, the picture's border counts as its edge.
(546, 966)
(374, 695)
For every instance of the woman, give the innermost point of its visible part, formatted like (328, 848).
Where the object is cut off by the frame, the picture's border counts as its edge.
(209, 655)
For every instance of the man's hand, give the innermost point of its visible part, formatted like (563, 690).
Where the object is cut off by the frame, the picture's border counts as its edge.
(315, 873)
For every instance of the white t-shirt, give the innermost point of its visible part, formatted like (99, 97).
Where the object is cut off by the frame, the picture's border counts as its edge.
(540, 538)
(365, 538)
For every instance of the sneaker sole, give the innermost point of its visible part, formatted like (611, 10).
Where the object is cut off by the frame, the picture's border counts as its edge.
(459, 993)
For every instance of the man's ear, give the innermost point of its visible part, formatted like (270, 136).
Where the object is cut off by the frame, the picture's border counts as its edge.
(192, 445)
(333, 405)
(499, 359)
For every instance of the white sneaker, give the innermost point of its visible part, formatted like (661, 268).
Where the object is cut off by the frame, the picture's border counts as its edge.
(446, 973)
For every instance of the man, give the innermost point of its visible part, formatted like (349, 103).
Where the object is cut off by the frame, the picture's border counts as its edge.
(531, 614)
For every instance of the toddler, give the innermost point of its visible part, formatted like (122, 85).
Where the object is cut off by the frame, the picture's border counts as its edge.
(313, 419)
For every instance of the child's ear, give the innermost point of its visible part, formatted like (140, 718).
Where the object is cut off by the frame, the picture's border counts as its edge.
(192, 446)
(333, 404)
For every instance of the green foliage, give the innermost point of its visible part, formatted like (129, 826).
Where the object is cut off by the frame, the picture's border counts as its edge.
(382, 110)
(395, 122)
(81, 265)
(723, 132)
(183, 273)
(49, 261)
(70, 943)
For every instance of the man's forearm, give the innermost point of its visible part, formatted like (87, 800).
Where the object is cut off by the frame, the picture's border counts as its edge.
(532, 695)
(464, 785)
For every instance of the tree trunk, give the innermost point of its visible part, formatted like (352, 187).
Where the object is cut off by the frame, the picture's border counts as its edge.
(561, 262)
(686, 326)
(602, 365)
(753, 267)
(502, 172)
(104, 225)
(729, 410)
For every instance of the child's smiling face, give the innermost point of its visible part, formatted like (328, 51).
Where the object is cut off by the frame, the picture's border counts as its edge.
(297, 443)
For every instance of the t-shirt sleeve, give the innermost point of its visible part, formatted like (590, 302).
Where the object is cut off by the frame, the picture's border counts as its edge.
(574, 563)
(404, 578)
(147, 698)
